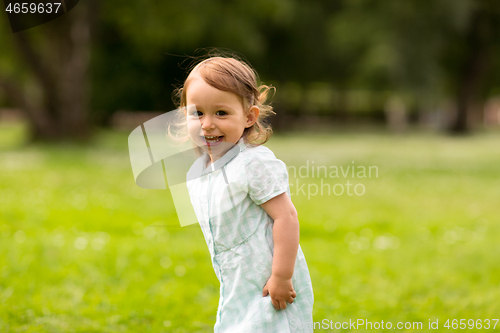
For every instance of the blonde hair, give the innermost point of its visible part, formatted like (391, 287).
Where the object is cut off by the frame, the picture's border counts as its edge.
(235, 76)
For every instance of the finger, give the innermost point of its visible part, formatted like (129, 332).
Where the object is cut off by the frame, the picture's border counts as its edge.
(290, 300)
(265, 292)
(276, 304)
(282, 305)
(294, 294)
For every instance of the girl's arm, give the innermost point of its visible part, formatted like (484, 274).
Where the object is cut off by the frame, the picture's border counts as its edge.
(286, 243)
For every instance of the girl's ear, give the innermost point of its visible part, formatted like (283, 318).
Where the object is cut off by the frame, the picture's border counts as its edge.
(252, 115)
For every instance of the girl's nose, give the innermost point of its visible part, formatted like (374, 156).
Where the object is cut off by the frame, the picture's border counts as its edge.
(207, 124)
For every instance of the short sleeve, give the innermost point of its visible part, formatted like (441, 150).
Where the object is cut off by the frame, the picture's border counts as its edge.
(266, 175)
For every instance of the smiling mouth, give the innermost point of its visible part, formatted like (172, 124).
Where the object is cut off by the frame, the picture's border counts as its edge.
(213, 140)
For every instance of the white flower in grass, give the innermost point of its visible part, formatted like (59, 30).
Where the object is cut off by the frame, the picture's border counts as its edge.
(81, 243)
(20, 236)
(180, 270)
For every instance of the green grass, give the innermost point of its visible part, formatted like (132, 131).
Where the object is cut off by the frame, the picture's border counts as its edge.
(81, 249)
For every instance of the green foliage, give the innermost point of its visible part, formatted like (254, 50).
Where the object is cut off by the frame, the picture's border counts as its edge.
(415, 49)
(410, 48)
(83, 249)
(145, 48)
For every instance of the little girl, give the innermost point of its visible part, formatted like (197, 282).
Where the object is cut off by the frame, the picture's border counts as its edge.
(240, 194)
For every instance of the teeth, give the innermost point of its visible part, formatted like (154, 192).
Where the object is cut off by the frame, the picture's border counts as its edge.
(211, 138)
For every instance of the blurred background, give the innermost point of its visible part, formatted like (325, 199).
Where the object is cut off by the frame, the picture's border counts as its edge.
(411, 87)
(431, 64)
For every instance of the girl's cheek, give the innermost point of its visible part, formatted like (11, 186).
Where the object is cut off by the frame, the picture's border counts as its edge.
(193, 125)
(194, 129)
(191, 129)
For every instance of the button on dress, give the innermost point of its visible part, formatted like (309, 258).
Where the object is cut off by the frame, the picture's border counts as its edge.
(226, 197)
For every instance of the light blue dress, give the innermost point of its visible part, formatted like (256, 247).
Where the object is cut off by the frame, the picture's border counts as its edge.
(226, 197)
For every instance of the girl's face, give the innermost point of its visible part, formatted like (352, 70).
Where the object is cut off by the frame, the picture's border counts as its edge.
(219, 119)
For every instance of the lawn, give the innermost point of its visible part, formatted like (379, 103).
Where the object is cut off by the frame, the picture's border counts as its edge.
(84, 249)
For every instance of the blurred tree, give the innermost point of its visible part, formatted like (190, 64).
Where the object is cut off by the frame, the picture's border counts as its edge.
(426, 49)
(44, 71)
(144, 48)
(418, 51)
(131, 64)
(422, 51)
(469, 60)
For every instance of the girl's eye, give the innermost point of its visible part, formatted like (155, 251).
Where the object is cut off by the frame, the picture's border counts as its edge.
(196, 114)
(221, 113)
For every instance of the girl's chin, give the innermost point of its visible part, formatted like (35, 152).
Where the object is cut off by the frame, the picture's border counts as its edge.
(219, 148)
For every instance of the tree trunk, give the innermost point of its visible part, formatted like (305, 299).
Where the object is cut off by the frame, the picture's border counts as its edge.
(468, 92)
(61, 72)
(474, 70)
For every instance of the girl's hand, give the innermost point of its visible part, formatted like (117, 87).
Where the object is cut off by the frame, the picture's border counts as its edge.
(280, 290)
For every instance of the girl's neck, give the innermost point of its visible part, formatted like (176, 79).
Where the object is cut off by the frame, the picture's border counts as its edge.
(209, 161)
